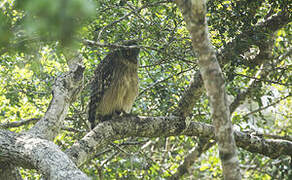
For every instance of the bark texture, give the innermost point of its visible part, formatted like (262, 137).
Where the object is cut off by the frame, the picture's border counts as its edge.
(194, 13)
(65, 90)
(124, 127)
(34, 149)
(30, 152)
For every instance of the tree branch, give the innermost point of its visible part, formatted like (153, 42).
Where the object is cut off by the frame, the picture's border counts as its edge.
(132, 126)
(151, 86)
(267, 106)
(194, 13)
(115, 129)
(31, 152)
(190, 96)
(65, 90)
(127, 15)
(18, 123)
(190, 159)
(266, 54)
(263, 80)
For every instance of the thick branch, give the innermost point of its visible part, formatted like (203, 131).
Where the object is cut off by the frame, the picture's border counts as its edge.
(194, 13)
(31, 152)
(272, 148)
(190, 96)
(65, 90)
(124, 127)
(105, 132)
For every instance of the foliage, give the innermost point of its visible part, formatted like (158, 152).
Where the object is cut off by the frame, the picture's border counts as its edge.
(35, 33)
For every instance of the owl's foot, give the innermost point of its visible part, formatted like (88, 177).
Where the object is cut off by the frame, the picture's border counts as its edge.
(114, 115)
(121, 113)
(118, 113)
(105, 118)
(128, 114)
(125, 114)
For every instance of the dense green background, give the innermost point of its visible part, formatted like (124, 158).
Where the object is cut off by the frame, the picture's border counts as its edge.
(35, 33)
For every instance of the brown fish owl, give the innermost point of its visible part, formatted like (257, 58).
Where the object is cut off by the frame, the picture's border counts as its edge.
(115, 85)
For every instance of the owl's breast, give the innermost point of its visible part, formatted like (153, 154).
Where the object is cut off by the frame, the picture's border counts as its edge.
(129, 86)
(122, 92)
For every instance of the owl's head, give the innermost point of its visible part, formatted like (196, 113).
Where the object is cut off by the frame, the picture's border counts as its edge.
(131, 53)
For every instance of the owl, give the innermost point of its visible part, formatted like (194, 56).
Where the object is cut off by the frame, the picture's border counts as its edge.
(115, 84)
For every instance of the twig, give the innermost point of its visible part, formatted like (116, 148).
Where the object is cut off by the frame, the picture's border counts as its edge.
(192, 157)
(110, 158)
(80, 117)
(73, 129)
(102, 152)
(286, 137)
(115, 46)
(18, 123)
(120, 149)
(132, 143)
(264, 80)
(163, 80)
(127, 15)
(112, 45)
(265, 107)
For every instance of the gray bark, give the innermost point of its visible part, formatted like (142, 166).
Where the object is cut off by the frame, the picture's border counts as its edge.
(194, 13)
(65, 90)
(28, 151)
(33, 149)
(124, 127)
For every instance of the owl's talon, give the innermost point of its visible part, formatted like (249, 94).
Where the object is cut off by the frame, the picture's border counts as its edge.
(127, 115)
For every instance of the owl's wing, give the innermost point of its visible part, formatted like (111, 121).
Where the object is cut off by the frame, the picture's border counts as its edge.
(102, 81)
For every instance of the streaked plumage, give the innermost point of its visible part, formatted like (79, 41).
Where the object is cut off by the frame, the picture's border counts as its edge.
(115, 85)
